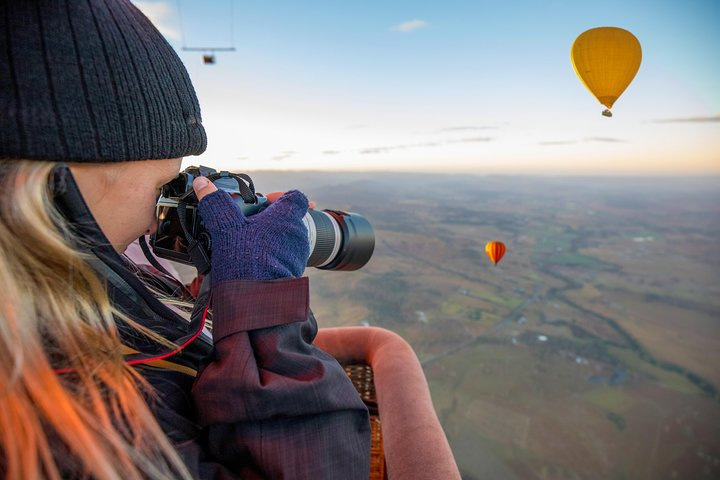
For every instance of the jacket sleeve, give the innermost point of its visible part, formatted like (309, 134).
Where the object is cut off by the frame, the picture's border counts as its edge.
(271, 404)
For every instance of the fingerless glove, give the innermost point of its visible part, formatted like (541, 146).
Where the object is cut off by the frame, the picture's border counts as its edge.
(268, 245)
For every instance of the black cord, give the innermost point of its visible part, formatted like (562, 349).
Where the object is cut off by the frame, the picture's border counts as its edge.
(151, 258)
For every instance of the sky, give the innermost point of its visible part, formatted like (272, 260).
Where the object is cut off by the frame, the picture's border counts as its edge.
(455, 86)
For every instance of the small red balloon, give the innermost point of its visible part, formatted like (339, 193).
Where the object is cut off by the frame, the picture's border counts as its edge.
(495, 250)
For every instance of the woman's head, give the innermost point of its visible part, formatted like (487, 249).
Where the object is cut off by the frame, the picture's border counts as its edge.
(95, 85)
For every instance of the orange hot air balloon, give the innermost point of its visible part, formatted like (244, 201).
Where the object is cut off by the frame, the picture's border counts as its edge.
(495, 250)
(606, 60)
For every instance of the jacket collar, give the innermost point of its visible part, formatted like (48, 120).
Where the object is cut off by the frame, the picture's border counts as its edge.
(125, 289)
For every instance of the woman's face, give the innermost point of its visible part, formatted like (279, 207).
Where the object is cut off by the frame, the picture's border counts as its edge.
(122, 196)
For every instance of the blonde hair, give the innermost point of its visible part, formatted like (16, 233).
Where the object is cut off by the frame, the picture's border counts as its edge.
(55, 313)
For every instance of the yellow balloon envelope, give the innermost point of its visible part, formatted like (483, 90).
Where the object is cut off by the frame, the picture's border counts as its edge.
(606, 60)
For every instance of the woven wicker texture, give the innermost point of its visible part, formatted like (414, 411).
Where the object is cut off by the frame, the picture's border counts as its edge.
(362, 378)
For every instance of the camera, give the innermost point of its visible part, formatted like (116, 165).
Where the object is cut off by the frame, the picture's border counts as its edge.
(338, 240)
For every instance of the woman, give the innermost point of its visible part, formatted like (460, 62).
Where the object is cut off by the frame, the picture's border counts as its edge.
(99, 377)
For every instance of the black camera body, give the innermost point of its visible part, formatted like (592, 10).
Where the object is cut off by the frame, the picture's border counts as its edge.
(338, 240)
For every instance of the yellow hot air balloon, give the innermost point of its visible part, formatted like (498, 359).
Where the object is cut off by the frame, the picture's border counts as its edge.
(606, 60)
(495, 250)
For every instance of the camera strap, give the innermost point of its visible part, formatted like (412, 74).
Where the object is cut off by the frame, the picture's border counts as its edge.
(150, 257)
(196, 249)
(246, 187)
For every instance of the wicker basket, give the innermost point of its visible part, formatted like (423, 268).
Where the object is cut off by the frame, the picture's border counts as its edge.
(362, 378)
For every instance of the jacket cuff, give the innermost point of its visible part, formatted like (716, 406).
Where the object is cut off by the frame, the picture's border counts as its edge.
(243, 305)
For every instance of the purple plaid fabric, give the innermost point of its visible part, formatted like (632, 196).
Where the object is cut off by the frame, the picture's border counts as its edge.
(269, 403)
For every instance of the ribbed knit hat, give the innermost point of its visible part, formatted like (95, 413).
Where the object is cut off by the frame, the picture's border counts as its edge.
(91, 81)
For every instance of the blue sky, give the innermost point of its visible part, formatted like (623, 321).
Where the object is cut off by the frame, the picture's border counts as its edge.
(456, 86)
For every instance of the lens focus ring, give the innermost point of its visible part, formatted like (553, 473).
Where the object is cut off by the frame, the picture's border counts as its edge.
(321, 228)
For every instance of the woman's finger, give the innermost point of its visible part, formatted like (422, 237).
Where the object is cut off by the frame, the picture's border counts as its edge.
(203, 187)
(272, 198)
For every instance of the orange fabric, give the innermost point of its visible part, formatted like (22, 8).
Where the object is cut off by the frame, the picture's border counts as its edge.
(415, 445)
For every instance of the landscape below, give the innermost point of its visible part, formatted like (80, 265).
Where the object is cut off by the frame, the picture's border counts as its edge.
(589, 351)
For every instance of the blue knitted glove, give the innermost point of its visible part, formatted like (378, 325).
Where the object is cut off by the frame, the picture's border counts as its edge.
(268, 245)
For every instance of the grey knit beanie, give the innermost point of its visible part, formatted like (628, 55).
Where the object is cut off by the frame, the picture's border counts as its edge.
(91, 81)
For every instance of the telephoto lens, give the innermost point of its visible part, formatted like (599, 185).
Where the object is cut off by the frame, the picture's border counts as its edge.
(338, 240)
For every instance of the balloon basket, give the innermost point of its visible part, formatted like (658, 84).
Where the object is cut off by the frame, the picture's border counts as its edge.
(607, 113)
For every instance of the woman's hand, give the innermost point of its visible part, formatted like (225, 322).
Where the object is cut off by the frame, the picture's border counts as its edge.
(268, 245)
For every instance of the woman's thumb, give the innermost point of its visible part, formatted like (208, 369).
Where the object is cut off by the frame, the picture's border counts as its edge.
(203, 187)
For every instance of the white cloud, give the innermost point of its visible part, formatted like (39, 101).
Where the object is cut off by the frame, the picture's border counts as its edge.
(161, 15)
(409, 26)
(389, 148)
(698, 119)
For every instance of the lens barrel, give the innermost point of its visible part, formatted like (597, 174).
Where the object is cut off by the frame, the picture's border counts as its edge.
(338, 240)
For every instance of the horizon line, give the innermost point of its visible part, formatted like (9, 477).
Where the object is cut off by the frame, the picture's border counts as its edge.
(711, 174)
